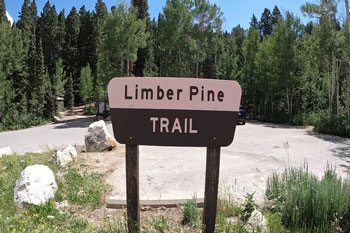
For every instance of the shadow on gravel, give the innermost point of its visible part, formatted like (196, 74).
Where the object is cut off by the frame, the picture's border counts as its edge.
(76, 123)
(342, 150)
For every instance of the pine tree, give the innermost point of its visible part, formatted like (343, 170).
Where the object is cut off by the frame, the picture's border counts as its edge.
(3, 17)
(254, 22)
(47, 31)
(141, 8)
(86, 46)
(276, 16)
(142, 54)
(59, 79)
(71, 53)
(86, 88)
(69, 97)
(36, 78)
(26, 24)
(58, 83)
(266, 23)
(11, 55)
(61, 33)
(49, 100)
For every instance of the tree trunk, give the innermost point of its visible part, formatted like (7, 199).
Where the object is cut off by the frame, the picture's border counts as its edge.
(333, 87)
(288, 107)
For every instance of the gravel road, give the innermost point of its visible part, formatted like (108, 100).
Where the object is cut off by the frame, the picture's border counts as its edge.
(176, 173)
(42, 138)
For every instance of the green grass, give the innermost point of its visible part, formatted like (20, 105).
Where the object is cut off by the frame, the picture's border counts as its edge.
(85, 190)
(191, 213)
(159, 224)
(308, 204)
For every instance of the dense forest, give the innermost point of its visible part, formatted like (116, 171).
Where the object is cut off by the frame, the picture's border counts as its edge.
(290, 72)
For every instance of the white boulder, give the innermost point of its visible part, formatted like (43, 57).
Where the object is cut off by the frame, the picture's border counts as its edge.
(257, 222)
(65, 156)
(98, 139)
(5, 151)
(35, 185)
(57, 120)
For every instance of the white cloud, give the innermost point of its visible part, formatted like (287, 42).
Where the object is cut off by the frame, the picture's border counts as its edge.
(9, 18)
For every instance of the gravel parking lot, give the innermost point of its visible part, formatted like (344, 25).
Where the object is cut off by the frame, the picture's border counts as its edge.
(177, 173)
(257, 151)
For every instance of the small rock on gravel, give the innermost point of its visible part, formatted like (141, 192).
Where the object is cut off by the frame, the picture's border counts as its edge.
(65, 156)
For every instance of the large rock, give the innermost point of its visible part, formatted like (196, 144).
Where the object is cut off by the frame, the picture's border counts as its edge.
(5, 151)
(98, 139)
(65, 156)
(257, 222)
(35, 185)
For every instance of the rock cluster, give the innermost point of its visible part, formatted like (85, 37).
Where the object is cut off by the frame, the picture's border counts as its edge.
(98, 139)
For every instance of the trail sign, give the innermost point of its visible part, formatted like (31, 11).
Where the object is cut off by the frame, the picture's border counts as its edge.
(174, 111)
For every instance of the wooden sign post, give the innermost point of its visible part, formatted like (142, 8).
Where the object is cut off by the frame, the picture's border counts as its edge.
(173, 112)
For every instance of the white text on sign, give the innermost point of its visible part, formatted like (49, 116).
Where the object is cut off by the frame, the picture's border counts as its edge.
(164, 125)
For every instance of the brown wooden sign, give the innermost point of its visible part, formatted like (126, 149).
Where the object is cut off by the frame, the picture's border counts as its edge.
(174, 111)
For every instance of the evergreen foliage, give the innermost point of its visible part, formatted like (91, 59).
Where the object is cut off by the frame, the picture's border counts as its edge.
(71, 51)
(47, 32)
(266, 23)
(289, 72)
(86, 89)
(3, 17)
(69, 96)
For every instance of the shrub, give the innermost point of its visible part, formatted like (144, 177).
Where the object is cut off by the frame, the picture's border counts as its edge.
(308, 204)
(333, 124)
(190, 213)
(90, 109)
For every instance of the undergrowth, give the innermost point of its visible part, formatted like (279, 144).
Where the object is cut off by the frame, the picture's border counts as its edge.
(309, 204)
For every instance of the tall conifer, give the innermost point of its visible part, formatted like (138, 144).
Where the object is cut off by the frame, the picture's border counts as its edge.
(71, 51)
(47, 31)
(3, 17)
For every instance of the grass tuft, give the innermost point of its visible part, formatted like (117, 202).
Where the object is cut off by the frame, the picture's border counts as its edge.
(308, 204)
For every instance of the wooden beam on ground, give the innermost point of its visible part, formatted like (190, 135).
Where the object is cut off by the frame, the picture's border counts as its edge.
(121, 204)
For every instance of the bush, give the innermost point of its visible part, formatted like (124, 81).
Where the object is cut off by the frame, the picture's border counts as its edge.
(338, 125)
(190, 213)
(90, 109)
(21, 122)
(308, 204)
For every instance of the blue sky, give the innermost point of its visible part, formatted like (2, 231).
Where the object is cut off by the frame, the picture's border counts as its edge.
(235, 11)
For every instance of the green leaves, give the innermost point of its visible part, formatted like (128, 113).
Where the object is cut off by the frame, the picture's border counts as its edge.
(86, 88)
(123, 34)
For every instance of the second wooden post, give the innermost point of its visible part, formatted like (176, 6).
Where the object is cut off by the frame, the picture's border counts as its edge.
(132, 187)
(211, 189)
